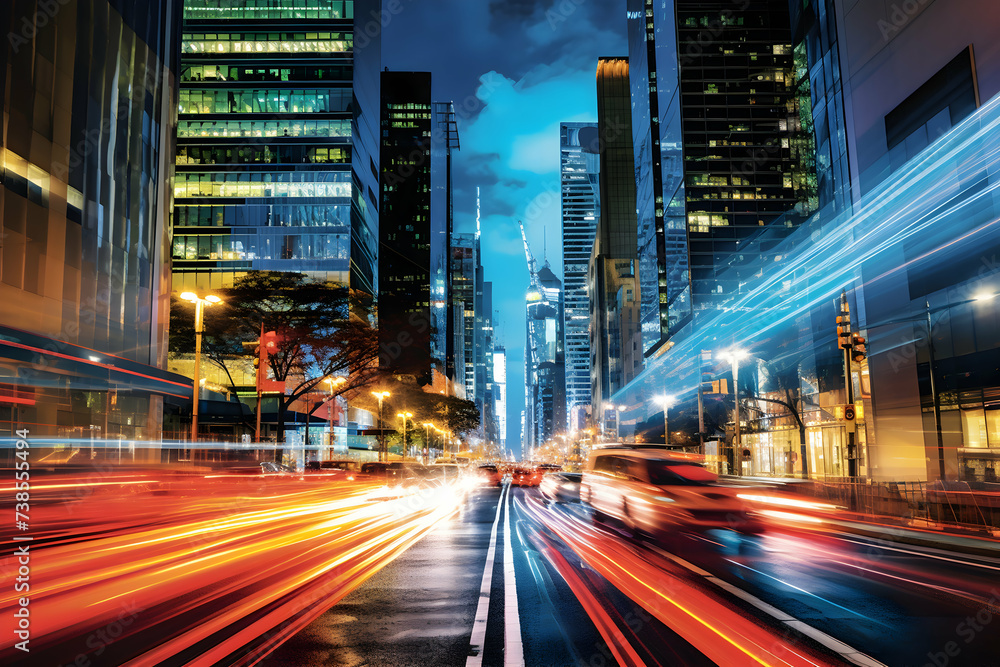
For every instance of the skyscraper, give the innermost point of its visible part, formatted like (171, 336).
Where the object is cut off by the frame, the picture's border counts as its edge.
(405, 225)
(277, 148)
(500, 393)
(86, 156)
(611, 271)
(579, 159)
(724, 148)
(545, 371)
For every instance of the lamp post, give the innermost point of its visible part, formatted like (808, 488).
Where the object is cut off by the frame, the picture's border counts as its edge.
(665, 401)
(334, 383)
(427, 440)
(734, 356)
(381, 396)
(199, 326)
(404, 415)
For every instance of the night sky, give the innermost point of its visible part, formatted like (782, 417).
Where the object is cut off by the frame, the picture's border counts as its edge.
(515, 69)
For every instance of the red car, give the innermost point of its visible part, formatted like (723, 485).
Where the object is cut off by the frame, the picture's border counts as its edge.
(491, 474)
(522, 476)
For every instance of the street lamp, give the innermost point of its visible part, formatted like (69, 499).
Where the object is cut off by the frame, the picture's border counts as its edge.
(199, 326)
(334, 383)
(381, 396)
(734, 355)
(427, 440)
(665, 401)
(404, 415)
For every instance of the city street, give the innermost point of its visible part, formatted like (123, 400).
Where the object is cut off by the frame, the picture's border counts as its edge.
(816, 597)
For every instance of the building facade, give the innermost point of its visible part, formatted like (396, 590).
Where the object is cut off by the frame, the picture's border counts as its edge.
(268, 123)
(579, 161)
(544, 370)
(405, 327)
(611, 270)
(88, 121)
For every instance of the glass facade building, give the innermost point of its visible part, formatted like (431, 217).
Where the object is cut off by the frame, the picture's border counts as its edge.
(544, 370)
(579, 161)
(614, 331)
(405, 258)
(88, 115)
(276, 143)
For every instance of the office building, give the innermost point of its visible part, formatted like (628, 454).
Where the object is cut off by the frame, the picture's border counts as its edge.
(86, 154)
(500, 394)
(405, 297)
(276, 145)
(579, 160)
(724, 148)
(544, 371)
(611, 270)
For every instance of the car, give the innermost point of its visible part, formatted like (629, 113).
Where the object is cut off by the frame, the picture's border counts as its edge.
(525, 476)
(655, 493)
(374, 469)
(561, 487)
(491, 474)
(406, 472)
(446, 472)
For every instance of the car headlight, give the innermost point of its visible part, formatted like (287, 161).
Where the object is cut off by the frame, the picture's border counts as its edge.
(664, 499)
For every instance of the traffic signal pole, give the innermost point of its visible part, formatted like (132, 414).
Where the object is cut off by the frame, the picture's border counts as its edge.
(845, 338)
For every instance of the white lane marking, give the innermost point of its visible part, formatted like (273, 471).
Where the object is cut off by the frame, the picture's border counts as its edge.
(478, 640)
(847, 652)
(875, 544)
(513, 650)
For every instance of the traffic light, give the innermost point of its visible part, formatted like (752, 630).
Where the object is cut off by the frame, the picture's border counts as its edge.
(858, 349)
(844, 329)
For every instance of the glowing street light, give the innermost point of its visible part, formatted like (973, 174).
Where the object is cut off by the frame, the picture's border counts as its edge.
(665, 401)
(381, 396)
(427, 439)
(199, 326)
(734, 356)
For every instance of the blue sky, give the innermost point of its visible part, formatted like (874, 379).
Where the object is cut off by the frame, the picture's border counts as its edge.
(515, 69)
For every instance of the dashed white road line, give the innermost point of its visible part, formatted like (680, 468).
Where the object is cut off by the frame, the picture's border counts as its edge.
(846, 652)
(513, 649)
(477, 643)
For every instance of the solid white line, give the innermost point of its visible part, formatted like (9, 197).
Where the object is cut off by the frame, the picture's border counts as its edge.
(847, 652)
(513, 649)
(478, 640)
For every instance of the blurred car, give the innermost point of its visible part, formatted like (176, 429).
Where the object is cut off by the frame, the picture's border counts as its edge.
(491, 474)
(272, 468)
(525, 476)
(446, 472)
(406, 472)
(655, 492)
(374, 469)
(561, 487)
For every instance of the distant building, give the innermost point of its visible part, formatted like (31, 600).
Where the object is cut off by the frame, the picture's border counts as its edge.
(545, 371)
(579, 159)
(500, 394)
(87, 151)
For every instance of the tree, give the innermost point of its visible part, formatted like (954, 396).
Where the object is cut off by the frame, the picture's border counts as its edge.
(322, 329)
